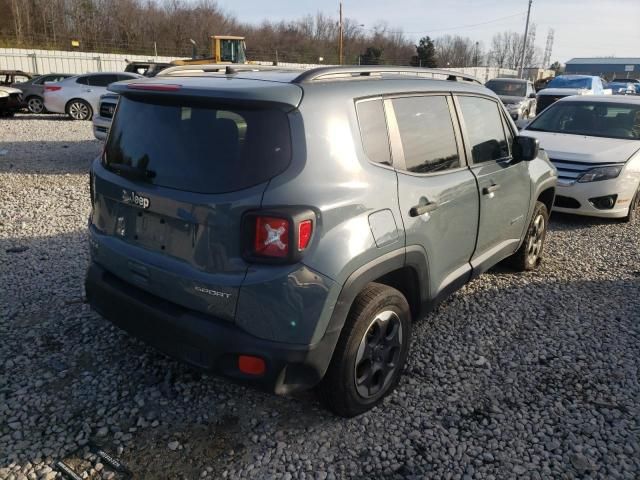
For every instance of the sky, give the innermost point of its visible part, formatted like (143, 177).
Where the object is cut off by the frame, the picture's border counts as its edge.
(583, 28)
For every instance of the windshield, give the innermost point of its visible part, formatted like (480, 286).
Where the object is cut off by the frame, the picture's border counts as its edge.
(511, 89)
(198, 149)
(568, 82)
(595, 119)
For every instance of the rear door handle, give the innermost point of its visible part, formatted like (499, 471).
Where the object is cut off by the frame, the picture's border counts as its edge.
(422, 209)
(490, 190)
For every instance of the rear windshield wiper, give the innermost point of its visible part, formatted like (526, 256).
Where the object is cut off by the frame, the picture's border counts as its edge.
(133, 173)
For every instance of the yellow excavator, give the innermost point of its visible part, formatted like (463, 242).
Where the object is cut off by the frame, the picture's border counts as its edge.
(225, 49)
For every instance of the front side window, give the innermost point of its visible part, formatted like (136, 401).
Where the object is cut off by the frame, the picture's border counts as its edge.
(373, 130)
(426, 132)
(484, 129)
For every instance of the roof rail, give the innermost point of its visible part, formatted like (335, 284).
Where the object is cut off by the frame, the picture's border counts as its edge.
(227, 69)
(325, 73)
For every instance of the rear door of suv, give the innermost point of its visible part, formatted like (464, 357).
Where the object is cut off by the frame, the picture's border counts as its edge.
(504, 186)
(176, 177)
(437, 192)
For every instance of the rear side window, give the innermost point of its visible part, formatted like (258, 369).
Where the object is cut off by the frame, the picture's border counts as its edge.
(427, 134)
(484, 129)
(200, 149)
(373, 130)
(82, 80)
(102, 80)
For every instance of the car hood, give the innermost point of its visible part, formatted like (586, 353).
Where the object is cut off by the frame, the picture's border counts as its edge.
(565, 92)
(10, 90)
(506, 99)
(579, 148)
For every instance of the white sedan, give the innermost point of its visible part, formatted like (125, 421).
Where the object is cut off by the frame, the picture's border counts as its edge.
(594, 142)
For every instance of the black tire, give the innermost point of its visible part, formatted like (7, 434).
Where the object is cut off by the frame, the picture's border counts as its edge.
(35, 104)
(529, 255)
(78, 109)
(378, 313)
(634, 208)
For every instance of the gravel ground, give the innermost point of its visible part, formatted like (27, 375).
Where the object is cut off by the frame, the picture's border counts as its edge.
(517, 376)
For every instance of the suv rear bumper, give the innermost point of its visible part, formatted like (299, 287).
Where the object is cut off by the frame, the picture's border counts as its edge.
(204, 341)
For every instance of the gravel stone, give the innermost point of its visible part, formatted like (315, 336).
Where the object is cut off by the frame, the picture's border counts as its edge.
(532, 375)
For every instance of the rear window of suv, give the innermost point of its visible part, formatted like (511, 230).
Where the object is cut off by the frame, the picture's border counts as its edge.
(199, 149)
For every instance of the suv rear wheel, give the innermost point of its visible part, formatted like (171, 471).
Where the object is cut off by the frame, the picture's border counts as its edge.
(529, 255)
(79, 110)
(371, 353)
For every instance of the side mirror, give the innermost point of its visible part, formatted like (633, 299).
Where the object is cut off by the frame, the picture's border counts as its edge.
(532, 95)
(525, 148)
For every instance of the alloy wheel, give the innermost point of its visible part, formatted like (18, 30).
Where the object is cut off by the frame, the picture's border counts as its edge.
(79, 111)
(378, 354)
(535, 239)
(35, 105)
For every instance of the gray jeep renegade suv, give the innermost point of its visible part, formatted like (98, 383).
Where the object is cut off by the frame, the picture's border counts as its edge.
(285, 228)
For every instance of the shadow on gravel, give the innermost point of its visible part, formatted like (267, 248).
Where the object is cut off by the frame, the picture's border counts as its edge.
(68, 377)
(567, 222)
(45, 116)
(48, 157)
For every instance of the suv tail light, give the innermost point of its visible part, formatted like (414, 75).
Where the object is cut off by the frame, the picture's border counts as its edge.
(52, 88)
(272, 237)
(277, 236)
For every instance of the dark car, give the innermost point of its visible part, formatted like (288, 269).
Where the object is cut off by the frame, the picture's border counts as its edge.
(148, 69)
(518, 96)
(33, 90)
(11, 77)
(10, 101)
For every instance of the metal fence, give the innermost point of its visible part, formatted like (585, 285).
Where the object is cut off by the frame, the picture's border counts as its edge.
(58, 61)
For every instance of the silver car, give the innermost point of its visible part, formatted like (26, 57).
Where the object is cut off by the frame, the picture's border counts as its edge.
(79, 96)
(33, 90)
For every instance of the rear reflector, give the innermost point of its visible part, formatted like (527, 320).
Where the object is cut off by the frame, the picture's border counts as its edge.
(51, 88)
(271, 237)
(305, 229)
(251, 365)
(157, 87)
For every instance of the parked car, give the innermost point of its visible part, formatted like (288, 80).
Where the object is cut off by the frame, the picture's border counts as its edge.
(594, 142)
(33, 90)
(148, 69)
(285, 228)
(568, 85)
(10, 101)
(11, 77)
(518, 96)
(102, 120)
(622, 88)
(78, 96)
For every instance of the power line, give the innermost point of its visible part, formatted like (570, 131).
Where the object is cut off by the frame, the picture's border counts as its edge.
(459, 27)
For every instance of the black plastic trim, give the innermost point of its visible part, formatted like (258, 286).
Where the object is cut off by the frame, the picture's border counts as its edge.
(205, 341)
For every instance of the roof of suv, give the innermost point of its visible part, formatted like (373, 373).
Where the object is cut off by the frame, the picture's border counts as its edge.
(286, 85)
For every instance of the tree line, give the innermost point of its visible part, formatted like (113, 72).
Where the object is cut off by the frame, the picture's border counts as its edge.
(166, 27)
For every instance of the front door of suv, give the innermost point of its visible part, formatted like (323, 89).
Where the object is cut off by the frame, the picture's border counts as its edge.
(504, 186)
(437, 193)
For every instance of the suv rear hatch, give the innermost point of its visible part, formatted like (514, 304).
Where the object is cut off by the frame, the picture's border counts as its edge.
(181, 166)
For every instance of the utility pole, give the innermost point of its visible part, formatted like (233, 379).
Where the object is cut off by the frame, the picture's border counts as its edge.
(524, 40)
(475, 62)
(341, 36)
